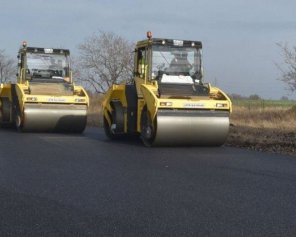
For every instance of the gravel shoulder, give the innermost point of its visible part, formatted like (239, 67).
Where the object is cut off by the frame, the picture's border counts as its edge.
(263, 139)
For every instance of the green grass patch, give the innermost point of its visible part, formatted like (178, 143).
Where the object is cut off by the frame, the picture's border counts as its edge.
(262, 104)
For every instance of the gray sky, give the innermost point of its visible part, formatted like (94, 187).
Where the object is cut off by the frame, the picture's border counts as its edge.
(239, 36)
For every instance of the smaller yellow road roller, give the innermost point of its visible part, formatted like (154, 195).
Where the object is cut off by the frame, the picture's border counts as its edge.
(44, 98)
(168, 102)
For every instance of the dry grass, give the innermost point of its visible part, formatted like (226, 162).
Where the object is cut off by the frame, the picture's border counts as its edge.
(94, 117)
(282, 119)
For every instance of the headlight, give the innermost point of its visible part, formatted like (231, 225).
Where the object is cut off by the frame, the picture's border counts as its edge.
(79, 100)
(221, 105)
(33, 99)
(165, 103)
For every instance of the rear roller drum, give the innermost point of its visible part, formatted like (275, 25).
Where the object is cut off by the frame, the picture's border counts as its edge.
(5, 113)
(108, 131)
(115, 130)
(18, 122)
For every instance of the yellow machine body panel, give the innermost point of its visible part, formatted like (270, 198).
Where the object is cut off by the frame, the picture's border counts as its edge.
(168, 103)
(5, 90)
(196, 103)
(44, 99)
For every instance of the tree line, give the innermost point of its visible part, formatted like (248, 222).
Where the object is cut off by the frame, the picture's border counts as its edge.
(106, 58)
(7, 67)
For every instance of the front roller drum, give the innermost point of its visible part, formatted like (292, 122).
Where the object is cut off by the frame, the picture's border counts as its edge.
(187, 128)
(53, 118)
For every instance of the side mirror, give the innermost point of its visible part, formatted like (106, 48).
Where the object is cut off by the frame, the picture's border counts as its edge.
(28, 75)
(201, 72)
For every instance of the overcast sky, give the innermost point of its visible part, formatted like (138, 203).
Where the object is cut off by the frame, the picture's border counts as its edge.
(239, 36)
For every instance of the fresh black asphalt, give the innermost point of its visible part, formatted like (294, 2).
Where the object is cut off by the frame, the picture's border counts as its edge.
(86, 185)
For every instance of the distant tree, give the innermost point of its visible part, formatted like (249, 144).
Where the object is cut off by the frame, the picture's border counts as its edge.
(289, 69)
(105, 59)
(254, 97)
(7, 67)
(284, 98)
(236, 96)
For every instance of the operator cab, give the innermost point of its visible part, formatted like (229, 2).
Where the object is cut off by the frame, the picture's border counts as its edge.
(175, 65)
(44, 65)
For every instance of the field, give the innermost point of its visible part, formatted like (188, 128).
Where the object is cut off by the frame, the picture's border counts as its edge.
(279, 115)
(255, 124)
(262, 104)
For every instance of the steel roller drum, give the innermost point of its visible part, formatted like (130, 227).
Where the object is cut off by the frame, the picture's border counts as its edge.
(54, 118)
(185, 127)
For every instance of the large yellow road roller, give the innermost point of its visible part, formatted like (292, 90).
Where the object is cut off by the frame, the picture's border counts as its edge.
(168, 104)
(44, 98)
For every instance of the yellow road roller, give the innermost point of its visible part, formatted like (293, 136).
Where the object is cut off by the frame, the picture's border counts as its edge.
(168, 103)
(44, 98)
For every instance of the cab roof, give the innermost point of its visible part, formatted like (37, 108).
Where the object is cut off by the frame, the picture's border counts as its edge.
(169, 42)
(45, 50)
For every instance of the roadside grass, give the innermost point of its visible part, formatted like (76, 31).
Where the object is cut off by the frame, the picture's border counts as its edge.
(94, 117)
(272, 117)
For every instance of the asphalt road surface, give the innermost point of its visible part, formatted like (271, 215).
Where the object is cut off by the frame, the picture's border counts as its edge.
(86, 185)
